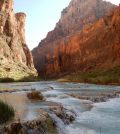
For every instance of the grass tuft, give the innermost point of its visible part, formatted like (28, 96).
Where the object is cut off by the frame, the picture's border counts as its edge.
(6, 112)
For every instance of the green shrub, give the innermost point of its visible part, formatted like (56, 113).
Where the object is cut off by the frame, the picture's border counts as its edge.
(5, 80)
(111, 76)
(6, 112)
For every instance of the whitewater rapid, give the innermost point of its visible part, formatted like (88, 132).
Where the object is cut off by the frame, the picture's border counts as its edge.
(92, 118)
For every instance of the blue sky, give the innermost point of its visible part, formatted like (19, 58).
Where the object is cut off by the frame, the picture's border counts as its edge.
(42, 16)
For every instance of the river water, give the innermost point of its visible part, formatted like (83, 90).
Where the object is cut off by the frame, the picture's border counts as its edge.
(92, 118)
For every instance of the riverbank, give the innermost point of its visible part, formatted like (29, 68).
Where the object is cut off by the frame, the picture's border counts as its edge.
(47, 122)
(43, 124)
(105, 77)
(101, 77)
(24, 79)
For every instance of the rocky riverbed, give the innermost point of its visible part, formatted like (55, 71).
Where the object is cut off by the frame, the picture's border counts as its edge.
(67, 108)
(100, 97)
(44, 124)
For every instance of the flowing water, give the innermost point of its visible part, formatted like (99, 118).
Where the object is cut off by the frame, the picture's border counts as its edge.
(92, 118)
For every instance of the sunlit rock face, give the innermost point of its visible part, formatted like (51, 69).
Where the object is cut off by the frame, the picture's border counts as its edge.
(78, 14)
(76, 44)
(15, 58)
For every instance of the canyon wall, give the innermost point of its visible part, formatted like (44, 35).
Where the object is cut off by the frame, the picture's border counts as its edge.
(81, 40)
(15, 58)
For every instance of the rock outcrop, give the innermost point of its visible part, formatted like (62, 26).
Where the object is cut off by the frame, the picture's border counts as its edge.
(15, 58)
(75, 44)
(42, 125)
(100, 97)
(67, 116)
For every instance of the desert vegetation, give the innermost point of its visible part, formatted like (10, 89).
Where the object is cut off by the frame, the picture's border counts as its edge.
(6, 112)
(5, 80)
(111, 76)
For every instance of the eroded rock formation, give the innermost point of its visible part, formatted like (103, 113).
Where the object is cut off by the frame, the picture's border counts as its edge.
(75, 43)
(15, 58)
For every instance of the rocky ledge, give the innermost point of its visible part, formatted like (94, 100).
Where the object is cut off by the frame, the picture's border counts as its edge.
(67, 116)
(99, 97)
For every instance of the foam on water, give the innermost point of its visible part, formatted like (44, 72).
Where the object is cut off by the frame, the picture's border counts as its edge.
(103, 118)
(61, 129)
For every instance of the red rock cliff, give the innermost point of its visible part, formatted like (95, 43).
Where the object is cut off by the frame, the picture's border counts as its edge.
(68, 48)
(15, 58)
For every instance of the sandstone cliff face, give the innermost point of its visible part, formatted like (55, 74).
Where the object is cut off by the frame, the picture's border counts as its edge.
(68, 48)
(78, 14)
(94, 48)
(15, 58)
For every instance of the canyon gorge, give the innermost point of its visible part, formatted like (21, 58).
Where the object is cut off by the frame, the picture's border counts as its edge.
(86, 38)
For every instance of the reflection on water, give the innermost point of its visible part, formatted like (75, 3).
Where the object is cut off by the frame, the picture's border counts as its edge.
(92, 118)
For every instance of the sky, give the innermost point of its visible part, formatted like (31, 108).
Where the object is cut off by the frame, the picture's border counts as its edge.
(42, 16)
